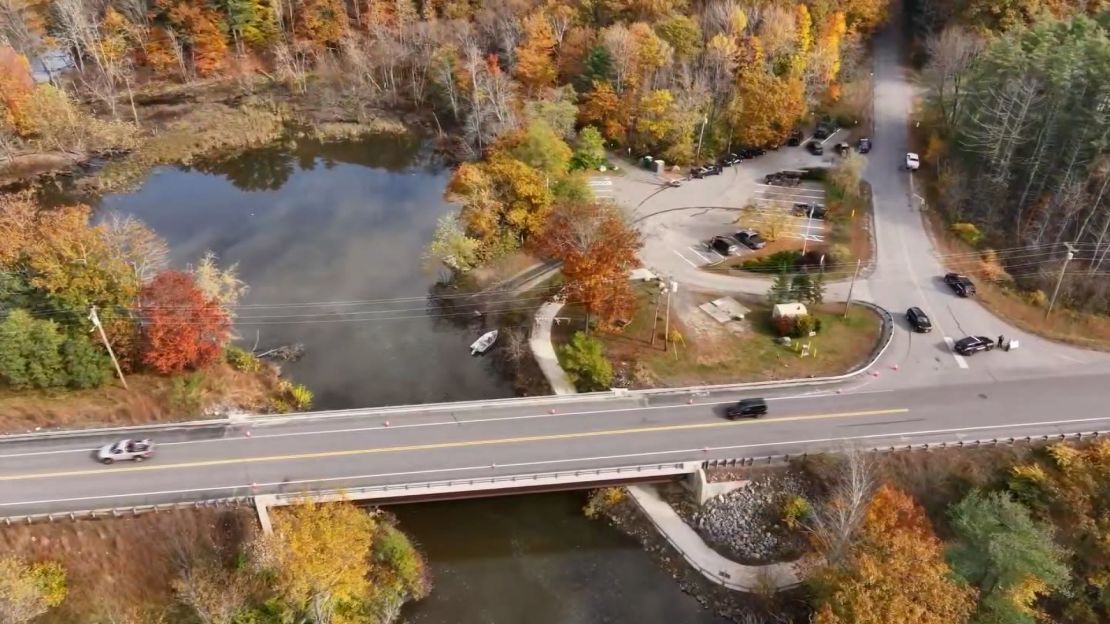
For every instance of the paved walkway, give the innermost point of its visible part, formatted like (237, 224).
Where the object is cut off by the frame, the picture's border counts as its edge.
(704, 559)
(544, 351)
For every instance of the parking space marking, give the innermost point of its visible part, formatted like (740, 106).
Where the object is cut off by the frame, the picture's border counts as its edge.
(701, 255)
(684, 258)
(961, 361)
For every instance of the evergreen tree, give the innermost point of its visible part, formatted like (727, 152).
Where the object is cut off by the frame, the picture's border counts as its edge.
(86, 366)
(801, 288)
(29, 352)
(780, 291)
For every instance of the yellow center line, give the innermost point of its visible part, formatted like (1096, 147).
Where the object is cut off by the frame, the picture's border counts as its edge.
(444, 445)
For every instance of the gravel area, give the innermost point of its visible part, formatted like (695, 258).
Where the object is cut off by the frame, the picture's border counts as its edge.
(746, 524)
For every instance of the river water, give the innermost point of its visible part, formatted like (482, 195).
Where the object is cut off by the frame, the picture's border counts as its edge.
(330, 239)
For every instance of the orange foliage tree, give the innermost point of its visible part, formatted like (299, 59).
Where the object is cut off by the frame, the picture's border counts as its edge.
(602, 107)
(182, 329)
(597, 247)
(895, 572)
(201, 30)
(321, 23)
(535, 63)
(15, 85)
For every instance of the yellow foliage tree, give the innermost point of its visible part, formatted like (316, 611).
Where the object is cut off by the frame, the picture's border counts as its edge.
(602, 107)
(319, 554)
(535, 63)
(765, 107)
(27, 590)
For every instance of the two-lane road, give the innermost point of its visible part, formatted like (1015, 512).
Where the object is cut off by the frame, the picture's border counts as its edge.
(349, 450)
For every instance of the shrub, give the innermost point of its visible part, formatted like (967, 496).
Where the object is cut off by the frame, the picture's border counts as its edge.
(968, 233)
(585, 363)
(86, 365)
(794, 510)
(300, 397)
(242, 360)
(774, 262)
(602, 499)
(186, 392)
(805, 324)
(1035, 297)
(837, 255)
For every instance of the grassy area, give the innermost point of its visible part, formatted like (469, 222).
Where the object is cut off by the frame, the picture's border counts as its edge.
(717, 355)
(150, 398)
(119, 570)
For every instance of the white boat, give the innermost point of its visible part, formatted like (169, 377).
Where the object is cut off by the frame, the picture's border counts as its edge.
(483, 343)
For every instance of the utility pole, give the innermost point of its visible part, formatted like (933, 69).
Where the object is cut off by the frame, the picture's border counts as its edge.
(809, 220)
(671, 287)
(655, 319)
(1060, 279)
(704, 120)
(859, 261)
(103, 336)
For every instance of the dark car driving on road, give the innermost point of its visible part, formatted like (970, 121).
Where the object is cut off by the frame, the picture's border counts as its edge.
(747, 408)
(973, 344)
(960, 284)
(918, 320)
(864, 145)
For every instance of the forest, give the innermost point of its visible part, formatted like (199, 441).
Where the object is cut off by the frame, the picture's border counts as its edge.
(1017, 121)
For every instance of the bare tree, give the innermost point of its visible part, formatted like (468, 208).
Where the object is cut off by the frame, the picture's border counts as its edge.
(137, 245)
(834, 524)
(951, 56)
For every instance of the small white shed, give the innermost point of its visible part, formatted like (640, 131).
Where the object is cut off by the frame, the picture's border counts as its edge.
(788, 310)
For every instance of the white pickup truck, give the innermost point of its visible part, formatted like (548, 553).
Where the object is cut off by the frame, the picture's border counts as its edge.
(912, 161)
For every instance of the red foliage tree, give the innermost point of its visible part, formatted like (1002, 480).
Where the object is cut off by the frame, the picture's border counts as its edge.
(181, 327)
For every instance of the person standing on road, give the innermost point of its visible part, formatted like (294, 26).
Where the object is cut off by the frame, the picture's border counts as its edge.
(1001, 338)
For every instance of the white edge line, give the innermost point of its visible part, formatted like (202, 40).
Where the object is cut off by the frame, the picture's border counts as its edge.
(558, 461)
(961, 361)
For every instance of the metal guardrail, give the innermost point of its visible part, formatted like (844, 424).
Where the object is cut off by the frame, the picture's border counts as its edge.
(886, 337)
(415, 489)
(125, 512)
(766, 460)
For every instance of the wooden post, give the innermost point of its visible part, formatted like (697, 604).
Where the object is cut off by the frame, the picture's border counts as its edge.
(859, 261)
(103, 336)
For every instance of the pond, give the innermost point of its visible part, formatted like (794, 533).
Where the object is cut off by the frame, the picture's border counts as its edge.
(330, 239)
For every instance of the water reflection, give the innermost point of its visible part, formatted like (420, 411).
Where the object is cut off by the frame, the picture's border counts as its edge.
(330, 239)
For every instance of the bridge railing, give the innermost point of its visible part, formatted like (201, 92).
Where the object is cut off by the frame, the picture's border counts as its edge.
(128, 512)
(765, 460)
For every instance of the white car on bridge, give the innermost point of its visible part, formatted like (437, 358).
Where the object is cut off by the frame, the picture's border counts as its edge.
(913, 162)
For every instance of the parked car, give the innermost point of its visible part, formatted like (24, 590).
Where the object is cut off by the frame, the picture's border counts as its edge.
(824, 130)
(815, 148)
(752, 152)
(913, 162)
(815, 211)
(747, 408)
(697, 172)
(918, 320)
(795, 138)
(973, 344)
(750, 239)
(724, 246)
(730, 159)
(712, 170)
(864, 145)
(960, 284)
(843, 148)
(125, 450)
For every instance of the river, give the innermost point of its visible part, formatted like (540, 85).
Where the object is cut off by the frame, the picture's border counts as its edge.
(330, 239)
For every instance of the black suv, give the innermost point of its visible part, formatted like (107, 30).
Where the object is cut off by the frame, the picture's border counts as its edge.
(815, 148)
(815, 211)
(795, 138)
(918, 320)
(729, 160)
(960, 284)
(973, 344)
(747, 408)
(724, 246)
(824, 130)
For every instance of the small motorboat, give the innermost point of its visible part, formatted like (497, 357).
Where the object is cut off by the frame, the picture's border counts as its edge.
(483, 343)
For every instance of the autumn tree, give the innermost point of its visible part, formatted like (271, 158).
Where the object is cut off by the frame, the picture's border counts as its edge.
(221, 285)
(15, 86)
(319, 554)
(182, 327)
(1011, 558)
(504, 201)
(848, 172)
(589, 150)
(30, 352)
(895, 571)
(215, 593)
(541, 148)
(765, 107)
(602, 107)
(598, 250)
(28, 590)
(682, 33)
(197, 33)
(535, 62)
(132, 243)
(451, 247)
